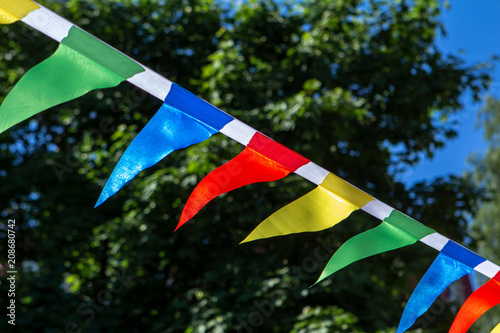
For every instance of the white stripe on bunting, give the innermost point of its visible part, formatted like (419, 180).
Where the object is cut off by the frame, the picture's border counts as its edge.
(435, 240)
(487, 268)
(312, 172)
(58, 28)
(152, 82)
(378, 209)
(238, 131)
(49, 23)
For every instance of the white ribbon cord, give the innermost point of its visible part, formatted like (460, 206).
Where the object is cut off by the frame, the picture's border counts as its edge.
(312, 172)
(49, 23)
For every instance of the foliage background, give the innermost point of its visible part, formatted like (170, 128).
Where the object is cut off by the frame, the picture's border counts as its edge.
(359, 87)
(485, 228)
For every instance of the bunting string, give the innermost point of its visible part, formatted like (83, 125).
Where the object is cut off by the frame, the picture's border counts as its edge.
(83, 63)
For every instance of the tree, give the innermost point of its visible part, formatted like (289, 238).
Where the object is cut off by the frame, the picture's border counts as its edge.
(486, 229)
(355, 86)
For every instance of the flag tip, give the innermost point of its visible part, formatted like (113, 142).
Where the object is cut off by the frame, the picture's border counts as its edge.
(314, 284)
(100, 201)
(180, 224)
(321, 278)
(246, 240)
(183, 220)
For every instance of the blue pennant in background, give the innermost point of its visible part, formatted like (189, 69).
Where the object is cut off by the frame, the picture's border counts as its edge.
(452, 263)
(183, 120)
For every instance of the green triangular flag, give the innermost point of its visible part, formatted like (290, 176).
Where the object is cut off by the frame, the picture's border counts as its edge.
(80, 64)
(396, 231)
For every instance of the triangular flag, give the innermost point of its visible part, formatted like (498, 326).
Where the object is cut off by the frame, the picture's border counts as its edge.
(14, 10)
(444, 271)
(247, 168)
(317, 210)
(263, 160)
(396, 231)
(483, 299)
(169, 130)
(64, 76)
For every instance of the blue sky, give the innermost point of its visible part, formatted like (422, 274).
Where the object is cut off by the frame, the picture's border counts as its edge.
(472, 26)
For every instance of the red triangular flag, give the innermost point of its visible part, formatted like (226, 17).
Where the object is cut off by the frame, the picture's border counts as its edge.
(477, 304)
(263, 160)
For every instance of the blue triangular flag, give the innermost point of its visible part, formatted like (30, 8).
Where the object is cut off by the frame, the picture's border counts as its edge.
(451, 264)
(183, 120)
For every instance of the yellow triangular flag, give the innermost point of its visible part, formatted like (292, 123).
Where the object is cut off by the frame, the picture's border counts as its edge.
(322, 208)
(14, 10)
(317, 210)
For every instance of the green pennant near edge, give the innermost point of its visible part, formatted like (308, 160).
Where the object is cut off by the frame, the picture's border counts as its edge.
(80, 64)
